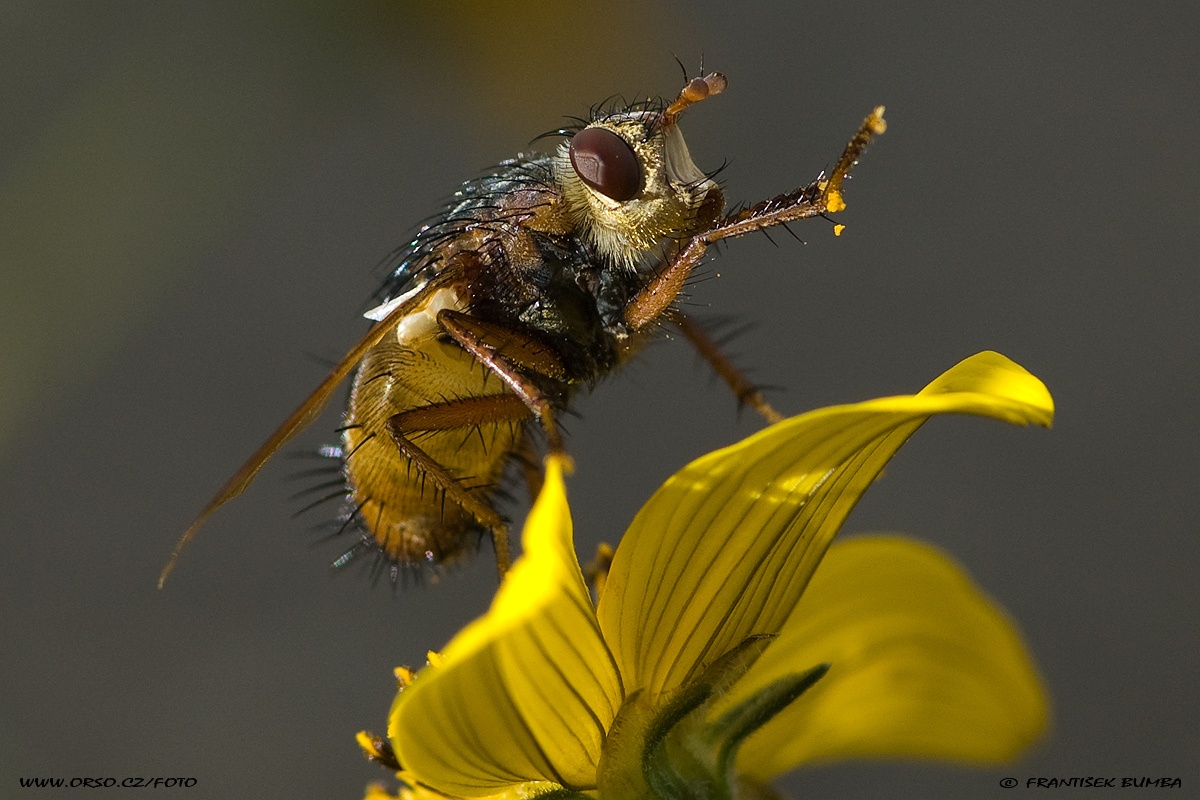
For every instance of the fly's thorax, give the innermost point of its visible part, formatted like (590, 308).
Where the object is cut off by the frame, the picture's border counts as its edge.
(629, 183)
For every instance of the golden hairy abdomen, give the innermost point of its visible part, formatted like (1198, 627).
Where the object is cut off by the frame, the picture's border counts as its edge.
(402, 507)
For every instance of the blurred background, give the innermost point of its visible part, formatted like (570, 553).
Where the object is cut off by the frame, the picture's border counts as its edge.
(193, 199)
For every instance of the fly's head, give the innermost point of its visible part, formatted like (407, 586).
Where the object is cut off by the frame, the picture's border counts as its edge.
(630, 183)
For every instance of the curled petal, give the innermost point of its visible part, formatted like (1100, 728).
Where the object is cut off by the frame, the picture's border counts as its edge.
(526, 692)
(725, 548)
(924, 665)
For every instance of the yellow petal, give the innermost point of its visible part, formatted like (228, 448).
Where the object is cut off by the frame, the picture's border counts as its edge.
(924, 665)
(524, 791)
(724, 549)
(377, 791)
(524, 693)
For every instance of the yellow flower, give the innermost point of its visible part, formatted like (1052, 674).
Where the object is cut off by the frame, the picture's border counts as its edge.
(717, 655)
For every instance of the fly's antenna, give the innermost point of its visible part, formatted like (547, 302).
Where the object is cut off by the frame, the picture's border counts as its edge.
(697, 89)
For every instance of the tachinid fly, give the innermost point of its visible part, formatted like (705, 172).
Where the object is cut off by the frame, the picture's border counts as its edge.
(534, 281)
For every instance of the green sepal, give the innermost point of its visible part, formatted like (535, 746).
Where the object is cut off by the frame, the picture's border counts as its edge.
(732, 728)
(671, 750)
(619, 775)
(693, 760)
(675, 759)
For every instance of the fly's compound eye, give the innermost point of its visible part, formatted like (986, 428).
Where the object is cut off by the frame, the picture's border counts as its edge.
(606, 162)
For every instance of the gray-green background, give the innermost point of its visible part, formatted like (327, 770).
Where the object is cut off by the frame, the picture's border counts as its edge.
(193, 196)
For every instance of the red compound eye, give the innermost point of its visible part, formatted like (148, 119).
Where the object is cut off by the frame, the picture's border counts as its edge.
(606, 162)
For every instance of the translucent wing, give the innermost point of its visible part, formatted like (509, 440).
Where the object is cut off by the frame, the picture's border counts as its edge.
(298, 419)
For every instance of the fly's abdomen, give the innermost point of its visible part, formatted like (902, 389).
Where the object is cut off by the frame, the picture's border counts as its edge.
(389, 463)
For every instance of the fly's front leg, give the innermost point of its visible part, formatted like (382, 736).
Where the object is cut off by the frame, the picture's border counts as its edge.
(456, 415)
(821, 197)
(494, 346)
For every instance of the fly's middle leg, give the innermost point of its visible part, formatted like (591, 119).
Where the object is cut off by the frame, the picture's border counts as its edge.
(497, 349)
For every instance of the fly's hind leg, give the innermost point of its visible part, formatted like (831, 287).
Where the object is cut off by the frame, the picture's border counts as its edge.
(741, 386)
(456, 415)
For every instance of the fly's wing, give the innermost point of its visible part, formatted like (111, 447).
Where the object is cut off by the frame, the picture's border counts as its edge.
(298, 419)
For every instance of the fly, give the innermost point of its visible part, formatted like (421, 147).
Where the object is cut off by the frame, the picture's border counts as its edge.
(535, 281)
